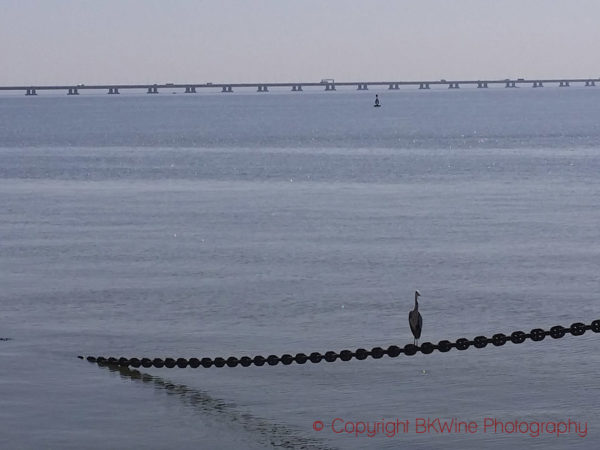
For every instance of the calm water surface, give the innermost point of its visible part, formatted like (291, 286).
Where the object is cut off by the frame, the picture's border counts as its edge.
(218, 225)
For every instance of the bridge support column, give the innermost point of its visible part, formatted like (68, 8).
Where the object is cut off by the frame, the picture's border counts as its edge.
(590, 83)
(152, 90)
(30, 91)
(362, 87)
(453, 86)
(330, 87)
(262, 88)
(112, 91)
(564, 84)
(73, 91)
(538, 84)
(296, 87)
(227, 89)
(511, 84)
(482, 84)
(394, 86)
(190, 89)
(424, 86)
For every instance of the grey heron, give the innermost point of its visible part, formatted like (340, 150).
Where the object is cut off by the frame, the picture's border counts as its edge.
(415, 320)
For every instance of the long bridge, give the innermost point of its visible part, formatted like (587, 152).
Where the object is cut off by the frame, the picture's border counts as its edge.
(326, 84)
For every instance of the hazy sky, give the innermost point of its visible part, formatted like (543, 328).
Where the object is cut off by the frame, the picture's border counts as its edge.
(147, 41)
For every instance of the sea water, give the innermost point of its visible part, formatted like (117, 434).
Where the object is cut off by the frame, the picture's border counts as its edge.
(257, 224)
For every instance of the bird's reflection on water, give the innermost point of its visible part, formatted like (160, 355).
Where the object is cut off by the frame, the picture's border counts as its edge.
(266, 432)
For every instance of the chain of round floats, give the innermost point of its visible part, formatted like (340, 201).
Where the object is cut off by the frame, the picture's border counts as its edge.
(499, 339)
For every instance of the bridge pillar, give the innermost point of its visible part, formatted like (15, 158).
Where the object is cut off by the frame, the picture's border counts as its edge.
(330, 87)
(113, 90)
(590, 83)
(262, 88)
(30, 91)
(538, 84)
(453, 86)
(190, 89)
(362, 87)
(227, 89)
(482, 84)
(394, 86)
(424, 86)
(73, 91)
(152, 90)
(511, 84)
(564, 84)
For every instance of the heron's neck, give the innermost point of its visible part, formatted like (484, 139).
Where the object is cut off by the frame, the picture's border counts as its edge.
(416, 304)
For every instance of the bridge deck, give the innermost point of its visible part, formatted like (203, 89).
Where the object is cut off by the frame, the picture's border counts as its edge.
(396, 83)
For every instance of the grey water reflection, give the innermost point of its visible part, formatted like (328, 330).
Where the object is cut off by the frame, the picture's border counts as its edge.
(264, 431)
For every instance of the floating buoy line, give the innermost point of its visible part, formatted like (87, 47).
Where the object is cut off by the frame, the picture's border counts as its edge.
(393, 351)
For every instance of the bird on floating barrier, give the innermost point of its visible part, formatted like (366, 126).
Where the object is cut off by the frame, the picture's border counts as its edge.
(415, 320)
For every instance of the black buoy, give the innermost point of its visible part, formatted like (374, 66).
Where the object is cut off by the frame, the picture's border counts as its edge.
(377, 104)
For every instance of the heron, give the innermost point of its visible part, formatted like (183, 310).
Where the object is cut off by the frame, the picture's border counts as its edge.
(415, 320)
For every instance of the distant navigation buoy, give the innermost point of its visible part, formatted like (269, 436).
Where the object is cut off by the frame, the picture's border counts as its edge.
(377, 104)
